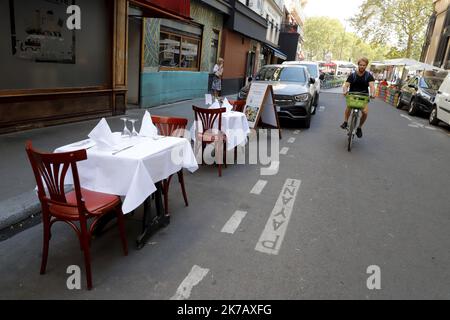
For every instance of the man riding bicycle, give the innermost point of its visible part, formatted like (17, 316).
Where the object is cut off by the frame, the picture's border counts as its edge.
(359, 81)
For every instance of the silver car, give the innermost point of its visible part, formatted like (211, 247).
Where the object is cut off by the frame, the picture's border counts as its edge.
(292, 93)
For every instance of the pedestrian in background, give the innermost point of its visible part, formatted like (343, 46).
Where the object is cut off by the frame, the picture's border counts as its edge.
(217, 78)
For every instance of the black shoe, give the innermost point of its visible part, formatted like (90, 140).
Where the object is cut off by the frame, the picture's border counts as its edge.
(344, 125)
(359, 133)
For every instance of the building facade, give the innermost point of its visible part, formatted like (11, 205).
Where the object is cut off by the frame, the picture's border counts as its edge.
(292, 30)
(179, 56)
(53, 74)
(436, 49)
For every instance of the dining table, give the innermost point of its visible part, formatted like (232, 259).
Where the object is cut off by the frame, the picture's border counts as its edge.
(134, 169)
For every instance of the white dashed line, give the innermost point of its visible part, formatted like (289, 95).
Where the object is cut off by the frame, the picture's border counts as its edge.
(430, 128)
(259, 186)
(297, 131)
(291, 140)
(406, 117)
(273, 234)
(321, 108)
(194, 277)
(284, 151)
(234, 222)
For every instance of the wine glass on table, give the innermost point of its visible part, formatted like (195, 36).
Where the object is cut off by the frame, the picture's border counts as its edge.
(126, 132)
(134, 133)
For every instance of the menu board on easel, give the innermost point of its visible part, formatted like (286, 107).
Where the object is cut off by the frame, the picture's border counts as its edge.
(260, 107)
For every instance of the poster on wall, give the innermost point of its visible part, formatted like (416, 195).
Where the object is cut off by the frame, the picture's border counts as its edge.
(39, 32)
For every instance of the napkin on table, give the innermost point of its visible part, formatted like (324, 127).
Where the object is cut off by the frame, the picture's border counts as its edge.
(148, 129)
(226, 104)
(215, 105)
(208, 99)
(102, 135)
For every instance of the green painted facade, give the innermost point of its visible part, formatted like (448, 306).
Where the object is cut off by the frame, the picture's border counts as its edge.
(160, 87)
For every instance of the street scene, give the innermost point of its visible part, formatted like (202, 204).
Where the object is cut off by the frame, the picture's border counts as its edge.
(225, 150)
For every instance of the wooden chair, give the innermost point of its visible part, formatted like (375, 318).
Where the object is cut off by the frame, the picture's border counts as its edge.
(175, 127)
(238, 105)
(210, 133)
(75, 207)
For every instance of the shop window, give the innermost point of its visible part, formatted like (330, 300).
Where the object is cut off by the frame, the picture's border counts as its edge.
(178, 52)
(179, 46)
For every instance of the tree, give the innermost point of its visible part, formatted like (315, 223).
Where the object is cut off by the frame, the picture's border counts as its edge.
(323, 35)
(399, 22)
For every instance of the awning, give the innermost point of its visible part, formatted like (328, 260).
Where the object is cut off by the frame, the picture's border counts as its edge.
(168, 9)
(277, 53)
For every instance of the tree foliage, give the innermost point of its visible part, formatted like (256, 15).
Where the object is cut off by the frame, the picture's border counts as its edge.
(399, 22)
(326, 35)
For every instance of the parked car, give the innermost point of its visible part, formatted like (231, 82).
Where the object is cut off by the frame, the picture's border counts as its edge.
(313, 69)
(419, 94)
(292, 91)
(441, 106)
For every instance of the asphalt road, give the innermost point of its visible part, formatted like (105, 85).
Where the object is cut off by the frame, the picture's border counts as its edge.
(385, 204)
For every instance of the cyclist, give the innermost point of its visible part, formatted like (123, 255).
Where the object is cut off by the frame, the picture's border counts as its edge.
(359, 81)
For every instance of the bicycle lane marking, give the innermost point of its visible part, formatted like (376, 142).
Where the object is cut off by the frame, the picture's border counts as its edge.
(234, 222)
(259, 187)
(273, 234)
(194, 277)
(284, 151)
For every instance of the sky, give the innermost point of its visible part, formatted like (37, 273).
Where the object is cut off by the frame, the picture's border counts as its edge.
(340, 9)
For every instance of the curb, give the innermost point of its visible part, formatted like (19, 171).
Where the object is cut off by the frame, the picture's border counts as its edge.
(19, 208)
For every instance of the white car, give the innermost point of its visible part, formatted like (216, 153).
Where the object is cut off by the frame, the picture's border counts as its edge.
(313, 69)
(441, 109)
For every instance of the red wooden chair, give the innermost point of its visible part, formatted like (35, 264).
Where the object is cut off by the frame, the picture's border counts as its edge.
(211, 134)
(175, 127)
(75, 207)
(238, 105)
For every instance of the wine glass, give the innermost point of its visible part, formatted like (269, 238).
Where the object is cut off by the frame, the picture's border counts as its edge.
(134, 133)
(126, 132)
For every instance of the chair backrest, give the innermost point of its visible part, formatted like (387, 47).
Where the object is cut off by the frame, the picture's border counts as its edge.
(239, 105)
(208, 117)
(51, 169)
(170, 126)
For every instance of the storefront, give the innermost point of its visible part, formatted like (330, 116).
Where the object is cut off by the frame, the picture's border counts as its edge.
(180, 55)
(57, 75)
(244, 32)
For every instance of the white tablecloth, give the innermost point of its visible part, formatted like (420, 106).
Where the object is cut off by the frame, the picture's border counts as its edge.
(234, 125)
(132, 173)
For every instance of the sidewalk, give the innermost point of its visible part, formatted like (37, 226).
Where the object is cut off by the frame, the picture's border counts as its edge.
(19, 205)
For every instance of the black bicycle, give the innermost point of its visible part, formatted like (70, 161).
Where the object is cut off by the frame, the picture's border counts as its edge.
(356, 101)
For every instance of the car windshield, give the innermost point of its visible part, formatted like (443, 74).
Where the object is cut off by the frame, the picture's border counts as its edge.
(431, 83)
(281, 74)
(312, 69)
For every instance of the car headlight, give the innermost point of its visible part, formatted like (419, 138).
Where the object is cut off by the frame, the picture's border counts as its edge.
(301, 97)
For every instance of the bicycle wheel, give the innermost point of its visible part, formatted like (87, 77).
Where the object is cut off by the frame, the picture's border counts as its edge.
(351, 130)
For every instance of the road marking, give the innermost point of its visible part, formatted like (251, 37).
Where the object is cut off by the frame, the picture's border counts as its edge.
(430, 128)
(234, 222)
(406, 117)
(194, 277)
(413, 126)
(272, 170)
(297, 131)
(272, 237)
(321, 108)
(259, 186)
(291, 140)
(284, 151)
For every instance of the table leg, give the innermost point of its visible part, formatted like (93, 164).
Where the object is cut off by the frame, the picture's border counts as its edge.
(151, 224)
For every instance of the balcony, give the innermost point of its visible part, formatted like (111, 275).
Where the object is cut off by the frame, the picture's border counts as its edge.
(290, 28)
